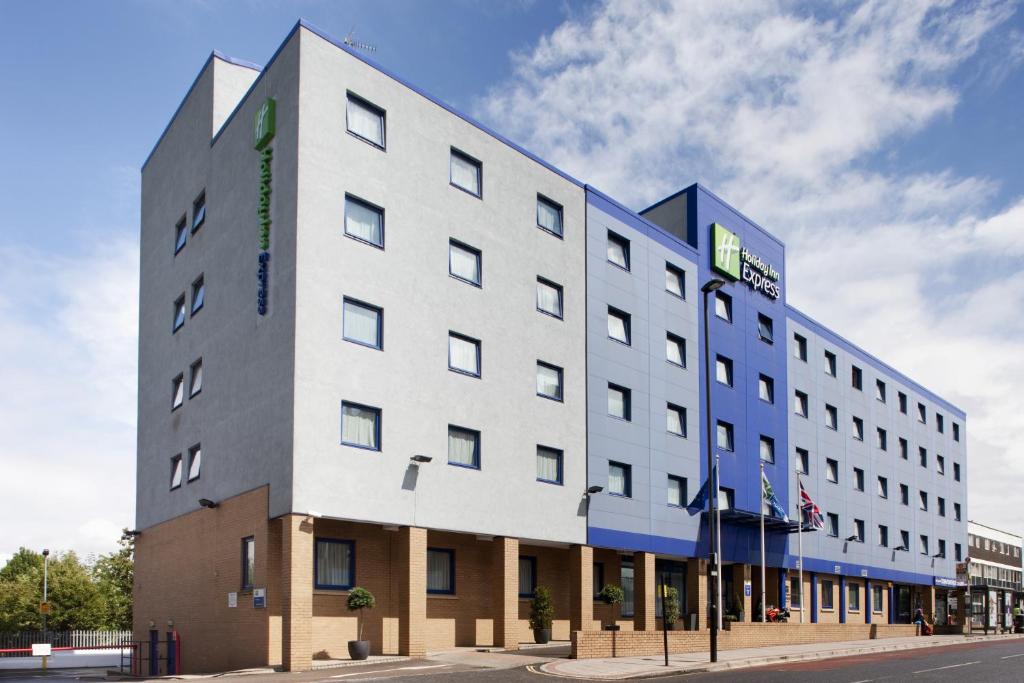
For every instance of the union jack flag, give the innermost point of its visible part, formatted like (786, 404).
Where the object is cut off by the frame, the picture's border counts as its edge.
(811, 511)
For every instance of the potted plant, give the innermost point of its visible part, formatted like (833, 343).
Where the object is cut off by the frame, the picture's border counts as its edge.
(611, 595)
(542, 613)
(358, 600)
(671, 611)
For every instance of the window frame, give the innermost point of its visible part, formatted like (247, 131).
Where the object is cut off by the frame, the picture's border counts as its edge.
(181, 234)
(853, 597)
(246, 579)
(801, 398)
(373, 108)
(177, 467)
(726, 363)
(614, 237)
(682, 490)
(627, 402)
(560, 398)
(450, 552)
(379, 210)
(883, 487)
(883, 536)
(673, 269)
(858, 530)
(532, 561)
(730, 433)
(905, 540)
(177, 383)
(905, 494)
(561, 463)
(627, 478)
(455, 152)
(726, 301)
(477, 344)
(769, 443)
(542, 199)
(180, 305)
(831, 471)
(378, 426)
(858, 427)
(856, 377)
(858, 479)
(831, 412)
(800, 347)
(479, 262)
(317, 540)
(827, 605)
(345, 301)
(198, 205)
(762, 322)
(627, 325)
(681, 411)
(901, 400)
(803, 460)
(769, 384)
(881, 394)
(561, 298)
(831, 364)
(193, 451)
(192, 391)
(681, 343)
(477, 448)
(881, 439)
(198, 286)
(832, 524)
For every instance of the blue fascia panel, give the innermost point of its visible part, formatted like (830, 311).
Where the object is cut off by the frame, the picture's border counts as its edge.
(812, 564)
(626, 540)
(603, 202)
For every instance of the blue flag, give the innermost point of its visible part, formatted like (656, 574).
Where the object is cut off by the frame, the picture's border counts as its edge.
(769, 496)
(700, 501)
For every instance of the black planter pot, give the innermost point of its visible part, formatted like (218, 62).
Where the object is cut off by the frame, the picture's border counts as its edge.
(610, 627)
(673, 626)
(358, 649)
(541, 635)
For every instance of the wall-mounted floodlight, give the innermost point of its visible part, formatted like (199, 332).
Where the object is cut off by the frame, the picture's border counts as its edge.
(421, 458)
(594, 489)
(207, 503)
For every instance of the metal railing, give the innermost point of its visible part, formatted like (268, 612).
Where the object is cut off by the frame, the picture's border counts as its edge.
(22, 640)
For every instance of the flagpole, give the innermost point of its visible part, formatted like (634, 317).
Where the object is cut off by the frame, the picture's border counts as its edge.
(763, 620)
(718, 534)
(800, 543)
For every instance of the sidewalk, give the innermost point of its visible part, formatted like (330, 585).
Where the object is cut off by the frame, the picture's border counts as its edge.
(650, 666)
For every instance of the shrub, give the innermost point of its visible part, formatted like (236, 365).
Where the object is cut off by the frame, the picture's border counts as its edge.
(542, 609)
(671, 605)
(358, 600)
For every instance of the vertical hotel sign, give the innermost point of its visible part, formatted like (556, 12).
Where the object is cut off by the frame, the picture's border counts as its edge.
(263, 133)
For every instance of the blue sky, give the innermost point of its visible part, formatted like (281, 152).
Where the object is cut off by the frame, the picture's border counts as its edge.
(881, 137)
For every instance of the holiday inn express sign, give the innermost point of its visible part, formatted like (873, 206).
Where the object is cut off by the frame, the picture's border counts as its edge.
(729, 258)
(262, 133)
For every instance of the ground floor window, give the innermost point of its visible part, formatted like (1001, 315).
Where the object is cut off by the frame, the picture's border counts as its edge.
(826, 594)
(627, 588)
(876, 598)
(334, 568)
(853, 597)
(527, 576)
(440, 571)
(794, 592)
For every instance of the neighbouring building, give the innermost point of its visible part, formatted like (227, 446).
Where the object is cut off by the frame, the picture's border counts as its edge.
(381, 345)
(992, 567)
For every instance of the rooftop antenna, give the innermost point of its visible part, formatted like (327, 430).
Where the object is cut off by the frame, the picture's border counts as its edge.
(351, 41)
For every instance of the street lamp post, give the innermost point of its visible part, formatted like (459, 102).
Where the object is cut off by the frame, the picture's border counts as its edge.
(713, 559)
(46, 581)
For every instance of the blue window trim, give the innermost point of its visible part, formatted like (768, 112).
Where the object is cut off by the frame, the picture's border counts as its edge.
(476, 448)
(195, 448)
(628, 476)
(380, 322)
(627, 324)
(561, 459)
(727, 299)
(456, 152)
(803, 466)
(479, 356)
(377, 426)
(351, 563)
(831, 531)
(627, 402)
(351, 96)
(243, 584)
(170, 480)
(533, 575)
(858, 428)
(561, 215)
(731, 430)
(561, 298)
(197, 284)
(599, 584)
(624, 243)
(561, 384)
(682, 489)
(675, 338)
(199, 201)
(729, 373)
(479, 262)
(835, 425)
(180, 234)
(179, 304)
(770, 339)
(682, 280)
(682, 421)
(379, 210)
(829, 461)
(451, 571)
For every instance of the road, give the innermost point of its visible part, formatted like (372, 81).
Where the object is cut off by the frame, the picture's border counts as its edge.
(982, 662)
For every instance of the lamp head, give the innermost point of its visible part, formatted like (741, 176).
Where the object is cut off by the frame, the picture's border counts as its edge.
(712, 284)
(594, 489)
(421, 458)
(207, 503)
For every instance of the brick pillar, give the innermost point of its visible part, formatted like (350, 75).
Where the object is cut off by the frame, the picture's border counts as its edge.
(644, 591)
(697, 592)
(412, 591)
(740, 575)
(581, 588)
(296, 593)
(505, 593)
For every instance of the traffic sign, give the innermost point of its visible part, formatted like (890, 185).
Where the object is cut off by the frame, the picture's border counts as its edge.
(44, 607)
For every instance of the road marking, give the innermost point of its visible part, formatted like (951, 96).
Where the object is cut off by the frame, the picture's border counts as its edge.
(1011, 656)
(866, 680)
(401, 668)
(940, 668)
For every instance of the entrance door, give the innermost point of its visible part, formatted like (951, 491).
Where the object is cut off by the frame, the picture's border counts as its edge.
(903, 611)
(675, 573)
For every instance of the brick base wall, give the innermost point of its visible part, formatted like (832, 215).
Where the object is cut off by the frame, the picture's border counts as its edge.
(599, 644)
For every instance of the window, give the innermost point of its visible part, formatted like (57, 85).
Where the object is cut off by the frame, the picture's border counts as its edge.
(676, 491)
(904, 541)
(463, 447)
(766, 389)
(858, 428)
(803, 459)
(853, 597)
(958, 552)
(904, 448)
(723, 306)
(364, 221)
(618, 325)
(549, 215)
(940, 464)
(902, 399)
(199, 211)
(800, 403)
(883, 487)
(549, 381)
(725, 436)
(956, 432)
(858, 479)
(827, 590)
(941, 502)
(626, 579)
(360, 426)
(466, 173)
(924, 544)
(177, 391)
(881, 439)
(726, 498)
(858, 530)
(618, 250)
(883, 535)
(956, 471)
(195, 462)
(723, 370)
(176, 471)
(880, 390)
(904, 494)
(463, 354)
(179, 313)
(527, 576)
(831, 417)
(876, 599)
(924, 500)
(362, 323)
(922, 414)
(832, 524)
(765, 328)
(675, 281)
(676, 420)
(800, 347)
(195, 383)
(549, 298)
(619, 402)
(620, 478)
(365, 121)
(794, 592)
(832, 470)
(549, 465)
(440, 571)
(248, 562)
(956, 511)
(198, 294)
(334, 564)
(598, 578)
(940, 423)
(675, 350)
(180, 235)
(856, 378)
(830, 364)
(922, 455)
(464, 263)
(766, 448)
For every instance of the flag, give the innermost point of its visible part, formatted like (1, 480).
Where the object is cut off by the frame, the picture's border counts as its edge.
(700, 501)
(811, 511)
(769, 496)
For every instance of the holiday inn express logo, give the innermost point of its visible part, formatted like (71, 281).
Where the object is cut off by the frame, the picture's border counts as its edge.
(729, 258)
(263, 124)
(726, 252)
(262, 133)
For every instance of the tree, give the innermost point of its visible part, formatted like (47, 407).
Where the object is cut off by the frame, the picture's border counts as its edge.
(114, 574)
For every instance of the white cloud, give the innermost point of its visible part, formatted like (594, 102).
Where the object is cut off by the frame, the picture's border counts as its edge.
(785, 113)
